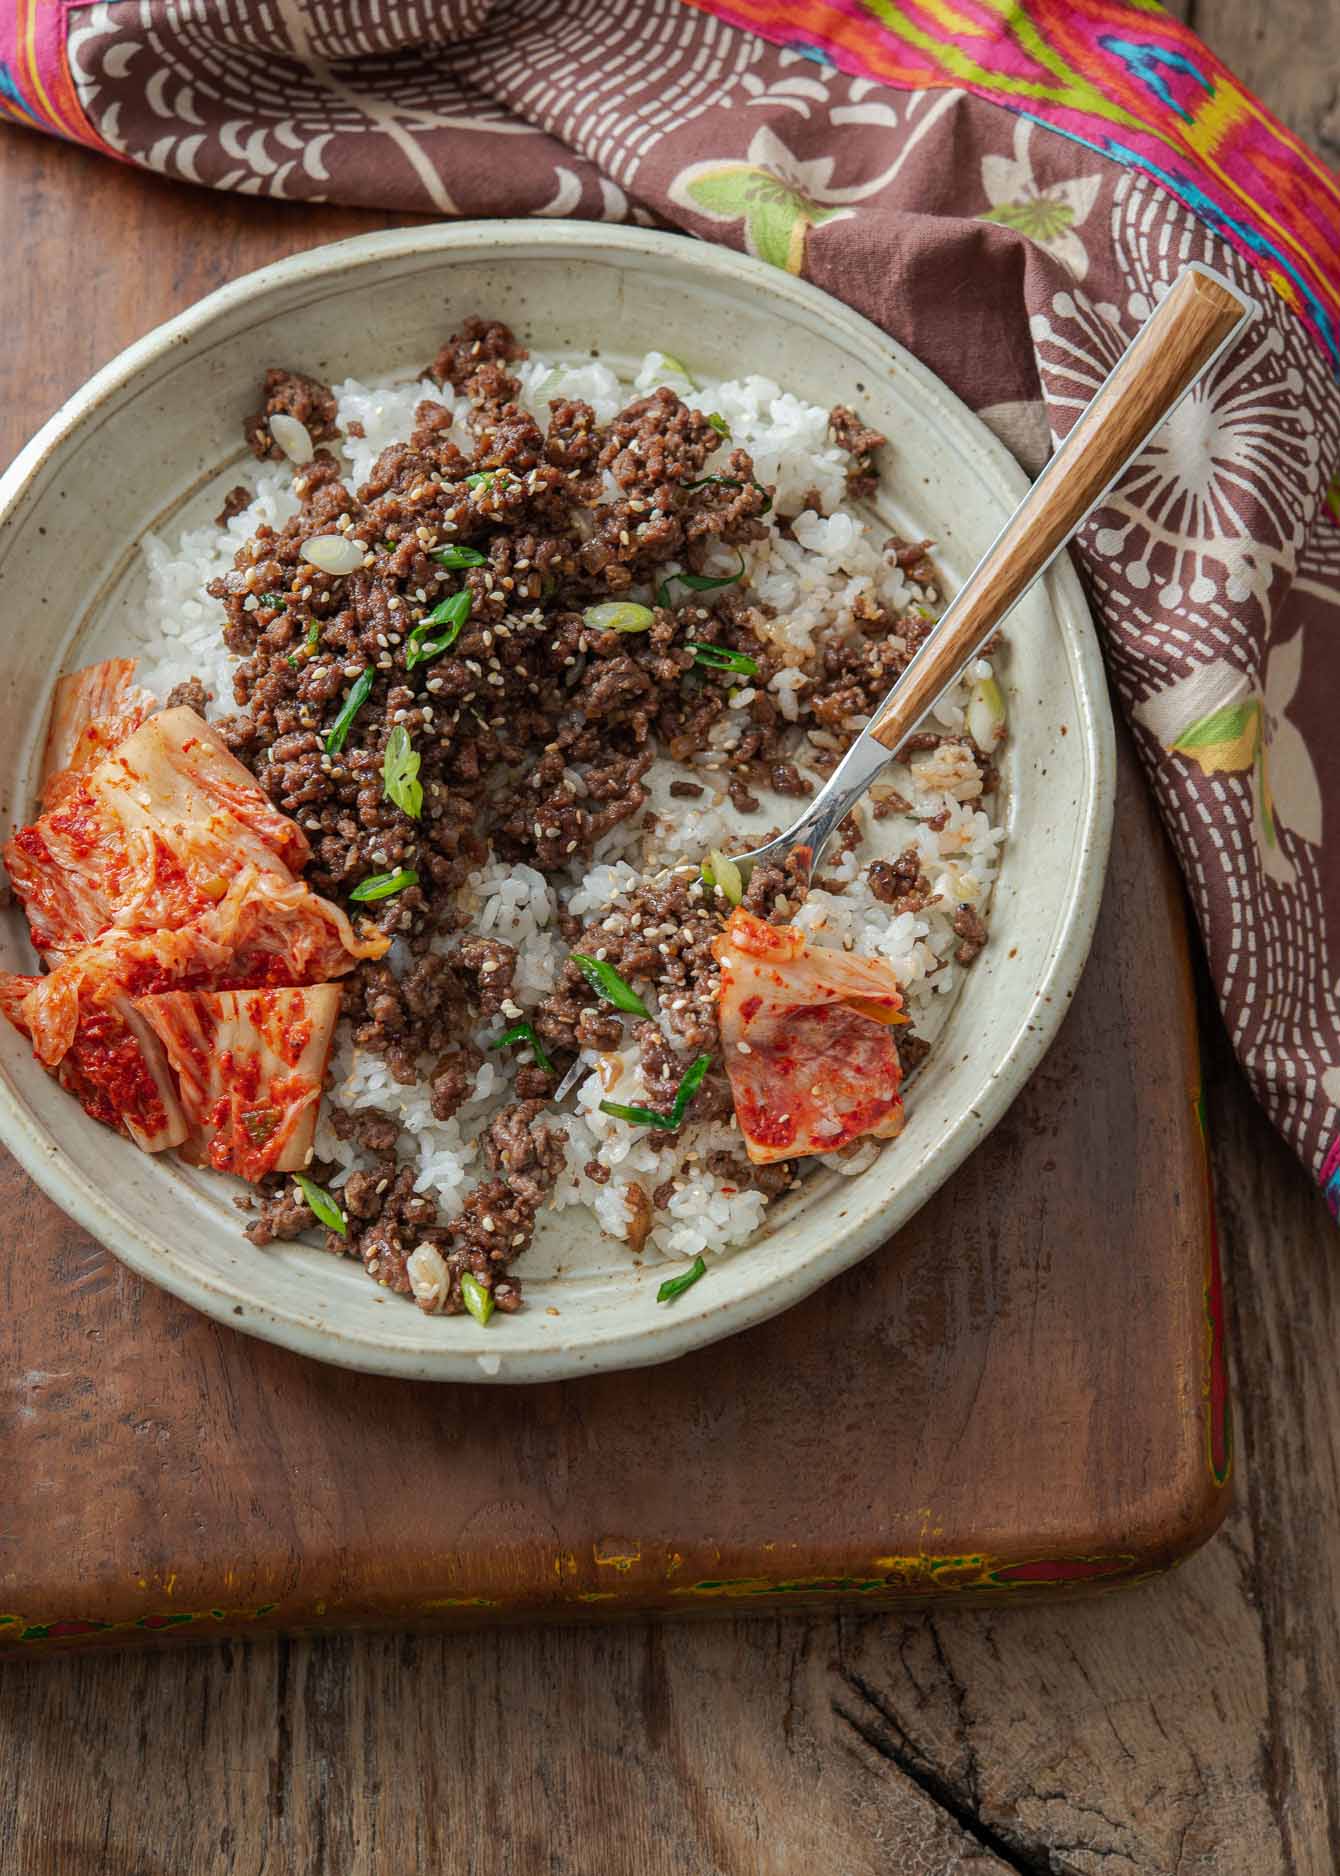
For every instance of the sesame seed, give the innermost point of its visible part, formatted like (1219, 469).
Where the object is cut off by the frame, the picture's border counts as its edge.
(744, 1048)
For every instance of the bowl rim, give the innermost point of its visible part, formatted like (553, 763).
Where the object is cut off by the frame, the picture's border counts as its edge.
(666, 1334)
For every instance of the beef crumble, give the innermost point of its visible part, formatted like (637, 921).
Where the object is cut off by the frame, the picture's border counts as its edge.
(468, 622)
(289, 394)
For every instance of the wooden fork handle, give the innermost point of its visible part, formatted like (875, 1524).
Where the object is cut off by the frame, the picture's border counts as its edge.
(1194, 319)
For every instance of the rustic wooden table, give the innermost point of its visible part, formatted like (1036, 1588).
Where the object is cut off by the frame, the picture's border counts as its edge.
(1190, 1725)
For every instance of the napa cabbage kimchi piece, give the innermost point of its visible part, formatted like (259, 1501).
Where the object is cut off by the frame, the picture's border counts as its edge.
(158, 866)
(807, 1034)
(249, 1068)
(92, 711)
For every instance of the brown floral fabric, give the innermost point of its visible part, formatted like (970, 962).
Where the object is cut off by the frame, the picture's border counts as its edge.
(1014, 261)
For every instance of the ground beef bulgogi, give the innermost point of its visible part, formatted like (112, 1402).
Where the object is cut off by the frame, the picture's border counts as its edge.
(531, 731)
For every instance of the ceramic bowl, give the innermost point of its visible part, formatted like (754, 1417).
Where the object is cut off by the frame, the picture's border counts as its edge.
(149, 443)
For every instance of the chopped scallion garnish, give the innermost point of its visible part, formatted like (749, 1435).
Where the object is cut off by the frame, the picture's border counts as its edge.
(676, 1286)
(457, 556)
(426, 641)
(718, 869)
(719, 659)
(322, 1205)
(277, 600)
(693, 1080)
(525, 1032)
(677, 368)
(487, 478)
(476, 1298)
(719, 424)
(400, 773)
(604, 978)
(383, 885)
(353, 703)
(637, 1116)
(696, 583)
(648, 1116)
(622, 615)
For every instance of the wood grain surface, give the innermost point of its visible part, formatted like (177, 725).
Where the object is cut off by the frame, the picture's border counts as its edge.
(1017, 1394)
(1183, 1727)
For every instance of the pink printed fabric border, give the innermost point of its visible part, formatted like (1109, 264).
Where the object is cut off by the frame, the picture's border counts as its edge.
(35, 84)
(1126, 80)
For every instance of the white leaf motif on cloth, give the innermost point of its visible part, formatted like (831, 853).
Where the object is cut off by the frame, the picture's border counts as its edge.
(1047, 214)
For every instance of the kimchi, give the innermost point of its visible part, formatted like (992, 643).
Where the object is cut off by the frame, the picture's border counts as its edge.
(160, 884)
(807, 1034)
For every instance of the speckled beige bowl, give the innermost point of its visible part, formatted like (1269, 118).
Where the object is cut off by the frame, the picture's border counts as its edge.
(149, 442)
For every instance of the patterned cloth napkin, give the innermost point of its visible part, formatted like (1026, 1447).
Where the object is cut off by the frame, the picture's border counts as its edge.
(1004, 187)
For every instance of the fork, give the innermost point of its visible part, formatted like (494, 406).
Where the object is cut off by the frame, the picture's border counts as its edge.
(1195, 321)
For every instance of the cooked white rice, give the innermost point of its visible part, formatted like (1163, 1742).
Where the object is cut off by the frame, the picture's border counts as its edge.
(812, 580)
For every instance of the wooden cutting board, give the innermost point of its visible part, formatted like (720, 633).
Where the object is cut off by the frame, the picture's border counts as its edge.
(1024, 1392)
(1024, 1389)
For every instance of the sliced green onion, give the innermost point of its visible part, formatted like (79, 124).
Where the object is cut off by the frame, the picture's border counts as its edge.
(605, 979)
(719, 870)
(322, 1205)
(694, 1077)
(696, 583)
(485, 478)
(383, 885)
(400, 773)
(719, 659)
(277, 600)
(453, 556)
(454, 610)
(451, 613)
(476, 1298)
(525, 1032)
(730, 482)
(637, 1116)
(719, 424)
(619, 616)
(677, 368)
(648, 1116)
(676, 1286)
(313, 638)
(353, 703)
(986, 714)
